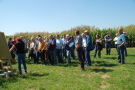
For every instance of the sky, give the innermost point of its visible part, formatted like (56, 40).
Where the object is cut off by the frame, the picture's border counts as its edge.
(57, 15)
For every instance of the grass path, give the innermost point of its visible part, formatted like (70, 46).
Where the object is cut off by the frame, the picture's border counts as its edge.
(104, 74)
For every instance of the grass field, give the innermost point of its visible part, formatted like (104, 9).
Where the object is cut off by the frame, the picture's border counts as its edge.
(104, 74)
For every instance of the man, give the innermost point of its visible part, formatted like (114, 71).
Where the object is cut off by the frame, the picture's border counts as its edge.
(88, 48)
(108, 43)
(120, 46)
(53, 50)
(41, 50)
(59, 44)
(79, 48)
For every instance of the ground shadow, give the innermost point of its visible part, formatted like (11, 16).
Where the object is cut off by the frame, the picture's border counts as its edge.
(101, 70)
(104, 63)
(110, 58)
(72, 64)
(38, 75)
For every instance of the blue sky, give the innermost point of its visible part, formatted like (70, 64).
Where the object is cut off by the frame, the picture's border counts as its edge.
(58, 15)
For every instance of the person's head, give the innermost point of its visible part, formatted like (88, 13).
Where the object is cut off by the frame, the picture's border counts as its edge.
(18, 39)
(107, 34)
(57, 36)
(51, 36)
(116, 34)
(97, 36)
(64, 35)
(22, 37)
(47, 39)
(77, 32)
(120, 30)
(9, 39)
(40, 39)
(67, 36)
(86, 32)
(14, 37)
(32, 39)
(125, 33)
(83, 35)
(44, 37)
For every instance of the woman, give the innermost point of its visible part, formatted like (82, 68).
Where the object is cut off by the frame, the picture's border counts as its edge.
(98, 46)
(20, 53)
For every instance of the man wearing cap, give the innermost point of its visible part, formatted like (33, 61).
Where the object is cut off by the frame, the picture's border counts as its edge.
(108, 43)
(88, 48)
(120, 46)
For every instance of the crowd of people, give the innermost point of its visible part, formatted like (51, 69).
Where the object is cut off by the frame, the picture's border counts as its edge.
(54, 49)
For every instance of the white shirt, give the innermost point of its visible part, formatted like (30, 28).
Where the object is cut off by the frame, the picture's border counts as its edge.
(84, 42)
(116, 38)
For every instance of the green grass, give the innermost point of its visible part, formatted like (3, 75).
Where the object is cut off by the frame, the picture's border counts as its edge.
(104, 74)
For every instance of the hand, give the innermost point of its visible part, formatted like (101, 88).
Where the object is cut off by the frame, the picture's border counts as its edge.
(120, 45)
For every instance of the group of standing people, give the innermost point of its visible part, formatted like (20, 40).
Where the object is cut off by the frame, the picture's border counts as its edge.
(54, 48)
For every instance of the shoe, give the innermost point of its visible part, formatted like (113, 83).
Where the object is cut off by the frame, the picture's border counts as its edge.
(20, 73)
(26, 72)
(82, 69)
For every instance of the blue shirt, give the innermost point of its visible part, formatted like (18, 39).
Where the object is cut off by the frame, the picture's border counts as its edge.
(121, 38)
(59, 43)
(107, 42)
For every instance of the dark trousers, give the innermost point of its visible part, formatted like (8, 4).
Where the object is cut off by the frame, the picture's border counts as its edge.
(72, 52)
(116, 48)
(47, 56)
(80, 56)
(34, 58)
(59, 55)
(83, 52)
(108, 49)
(53, 57)
(42, 56)
(64, 52)
(125, 50)
(97, 50)
(120, 54)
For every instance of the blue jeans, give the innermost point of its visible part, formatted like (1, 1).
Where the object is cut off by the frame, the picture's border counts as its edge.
(125, 50)
(120, 54)
(53, 57)
(21, 59)
(72, 52)
(68, 56)
(108, 49)
(59, 55)
(87, 58)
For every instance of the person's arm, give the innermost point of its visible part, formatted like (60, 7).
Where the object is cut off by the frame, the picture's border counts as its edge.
(105, 39)
(12, 48)
(124, 40)
(122, 43)
(77, 46)
(114, 39)
(53, 42)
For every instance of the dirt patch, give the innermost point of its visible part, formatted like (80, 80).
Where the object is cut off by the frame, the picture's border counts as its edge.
(104, 86)
(105, 76)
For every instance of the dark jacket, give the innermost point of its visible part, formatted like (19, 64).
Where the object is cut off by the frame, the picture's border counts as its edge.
(67, 42)
(89, 45)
